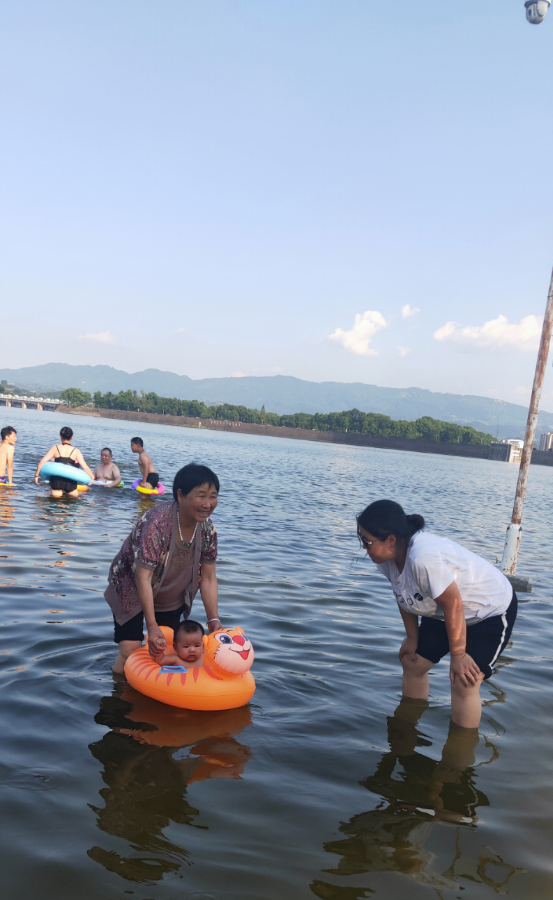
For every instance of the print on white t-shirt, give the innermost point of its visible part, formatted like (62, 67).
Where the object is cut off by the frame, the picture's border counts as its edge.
(432, 564)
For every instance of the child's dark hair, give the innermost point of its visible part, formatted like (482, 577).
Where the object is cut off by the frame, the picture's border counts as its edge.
(9, 429)
(138, 441)
(66, 433)
(189, 626)
(384, 517)
(193, 475)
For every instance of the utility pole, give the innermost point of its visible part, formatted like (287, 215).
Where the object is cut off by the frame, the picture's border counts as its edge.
(512, 539)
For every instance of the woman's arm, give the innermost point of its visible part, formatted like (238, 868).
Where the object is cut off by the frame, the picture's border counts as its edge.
(411, 623)
(156, 640)
(46, 458)
(461, 664)
(208, 590)
(82, 462)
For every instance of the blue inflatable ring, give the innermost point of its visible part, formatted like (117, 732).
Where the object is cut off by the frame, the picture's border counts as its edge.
(59, 470)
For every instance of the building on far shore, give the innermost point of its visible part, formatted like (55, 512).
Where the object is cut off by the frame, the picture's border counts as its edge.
(546, 440)
(507, 451)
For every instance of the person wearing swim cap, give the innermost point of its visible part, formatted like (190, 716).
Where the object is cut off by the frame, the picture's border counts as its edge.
(467, 607)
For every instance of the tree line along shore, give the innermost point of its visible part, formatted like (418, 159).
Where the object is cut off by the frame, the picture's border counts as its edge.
(351, 421)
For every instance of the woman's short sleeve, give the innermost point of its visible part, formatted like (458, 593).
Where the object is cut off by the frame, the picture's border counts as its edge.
(209, 542)
(150, 539)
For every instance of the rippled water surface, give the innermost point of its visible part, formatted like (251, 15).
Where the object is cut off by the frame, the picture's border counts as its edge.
(324, 786)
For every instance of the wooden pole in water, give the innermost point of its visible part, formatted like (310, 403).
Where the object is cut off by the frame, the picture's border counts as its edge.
(512, 539)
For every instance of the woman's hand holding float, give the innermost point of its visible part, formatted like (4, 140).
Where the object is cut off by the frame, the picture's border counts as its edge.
(157, 645)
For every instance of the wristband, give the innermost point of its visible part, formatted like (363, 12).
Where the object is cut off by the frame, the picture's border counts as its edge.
(216, 619)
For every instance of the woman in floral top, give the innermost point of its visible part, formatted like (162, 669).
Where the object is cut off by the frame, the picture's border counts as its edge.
(169, 554)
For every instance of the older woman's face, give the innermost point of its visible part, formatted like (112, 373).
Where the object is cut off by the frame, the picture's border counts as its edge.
(378, 551)
(199, 503)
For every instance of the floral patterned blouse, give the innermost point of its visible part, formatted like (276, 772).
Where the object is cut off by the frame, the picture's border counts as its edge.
(148, 546)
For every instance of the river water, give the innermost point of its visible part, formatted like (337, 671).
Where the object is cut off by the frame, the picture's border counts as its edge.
(325, 785)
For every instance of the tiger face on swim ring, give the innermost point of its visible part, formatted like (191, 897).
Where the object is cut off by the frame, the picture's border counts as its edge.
(224, 681)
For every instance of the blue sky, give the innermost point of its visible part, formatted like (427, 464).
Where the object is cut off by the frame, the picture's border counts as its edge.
(261, 186)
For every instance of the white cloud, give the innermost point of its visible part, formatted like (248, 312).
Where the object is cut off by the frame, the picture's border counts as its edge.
(103, 337)
(497, 334)
(407, 312)
(403, 351)
(238, 375)
(182, 331)
(359, 337)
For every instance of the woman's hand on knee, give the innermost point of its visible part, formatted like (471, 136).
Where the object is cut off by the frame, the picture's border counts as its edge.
(408, 651)
(464, 671)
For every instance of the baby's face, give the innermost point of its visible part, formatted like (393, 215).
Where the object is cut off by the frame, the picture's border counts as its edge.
(189, 646)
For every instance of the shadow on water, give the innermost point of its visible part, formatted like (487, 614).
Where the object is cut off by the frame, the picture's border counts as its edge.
(147, 777)
(417, 795)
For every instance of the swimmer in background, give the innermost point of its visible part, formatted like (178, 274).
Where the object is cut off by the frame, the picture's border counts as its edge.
(189, 646)
(67, 455)
(150, 477)
(107, 471)
(7, 449)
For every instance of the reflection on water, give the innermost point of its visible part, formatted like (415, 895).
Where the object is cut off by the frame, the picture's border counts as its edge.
(146, 777)
(417, 794)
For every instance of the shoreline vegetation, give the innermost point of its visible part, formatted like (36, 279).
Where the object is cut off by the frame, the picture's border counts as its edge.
(351, 421)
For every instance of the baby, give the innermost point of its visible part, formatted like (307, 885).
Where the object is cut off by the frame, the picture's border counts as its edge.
(188, 644)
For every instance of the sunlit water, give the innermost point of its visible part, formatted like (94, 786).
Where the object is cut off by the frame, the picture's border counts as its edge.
(316, 788)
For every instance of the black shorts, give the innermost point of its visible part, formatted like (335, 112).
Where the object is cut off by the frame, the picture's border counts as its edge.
(133, 630)
(485, 640)
(153, 479)
(63, 484)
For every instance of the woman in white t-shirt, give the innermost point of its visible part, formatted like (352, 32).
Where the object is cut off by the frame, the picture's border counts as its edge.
(467, 606)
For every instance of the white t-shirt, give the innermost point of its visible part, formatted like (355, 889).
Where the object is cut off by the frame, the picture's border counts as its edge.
(432, 564)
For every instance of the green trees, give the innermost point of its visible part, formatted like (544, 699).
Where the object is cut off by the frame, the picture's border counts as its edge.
(76, 397)
(352, 421)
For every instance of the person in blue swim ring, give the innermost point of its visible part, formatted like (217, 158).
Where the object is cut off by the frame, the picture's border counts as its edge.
(69, 456)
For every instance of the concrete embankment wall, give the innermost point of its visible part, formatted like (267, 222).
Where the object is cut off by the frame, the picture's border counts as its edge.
(474, 451)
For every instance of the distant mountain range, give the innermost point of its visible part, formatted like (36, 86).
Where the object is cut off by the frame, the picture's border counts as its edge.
(284, 394)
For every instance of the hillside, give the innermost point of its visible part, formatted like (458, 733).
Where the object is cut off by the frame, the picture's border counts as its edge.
(284, 394)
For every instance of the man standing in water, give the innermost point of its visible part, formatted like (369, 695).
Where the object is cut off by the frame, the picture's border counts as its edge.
(150, 477)
(7, 449)
(107, 471)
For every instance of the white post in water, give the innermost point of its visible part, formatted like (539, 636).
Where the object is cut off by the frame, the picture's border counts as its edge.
(512, 540)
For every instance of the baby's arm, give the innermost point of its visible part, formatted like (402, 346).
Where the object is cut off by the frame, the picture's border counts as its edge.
(168, 660)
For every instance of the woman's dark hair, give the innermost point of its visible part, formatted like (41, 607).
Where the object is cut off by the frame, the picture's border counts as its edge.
(384, 517)
(137, 441)
(189, 627)
(66, 433)
(193, 475)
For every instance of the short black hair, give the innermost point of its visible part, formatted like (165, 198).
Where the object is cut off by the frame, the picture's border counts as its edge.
(66, 433)
(193, 475)
(138, 441)
(7, 430)
(189, 626)
(106, 448)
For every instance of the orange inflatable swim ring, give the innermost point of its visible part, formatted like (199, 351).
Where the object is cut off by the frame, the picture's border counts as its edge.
(223, 681)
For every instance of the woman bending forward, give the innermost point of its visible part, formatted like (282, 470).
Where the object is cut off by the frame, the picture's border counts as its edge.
(467, 606)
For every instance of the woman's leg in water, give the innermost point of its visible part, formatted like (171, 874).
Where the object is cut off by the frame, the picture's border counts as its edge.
(415, 676)
(466, 706)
